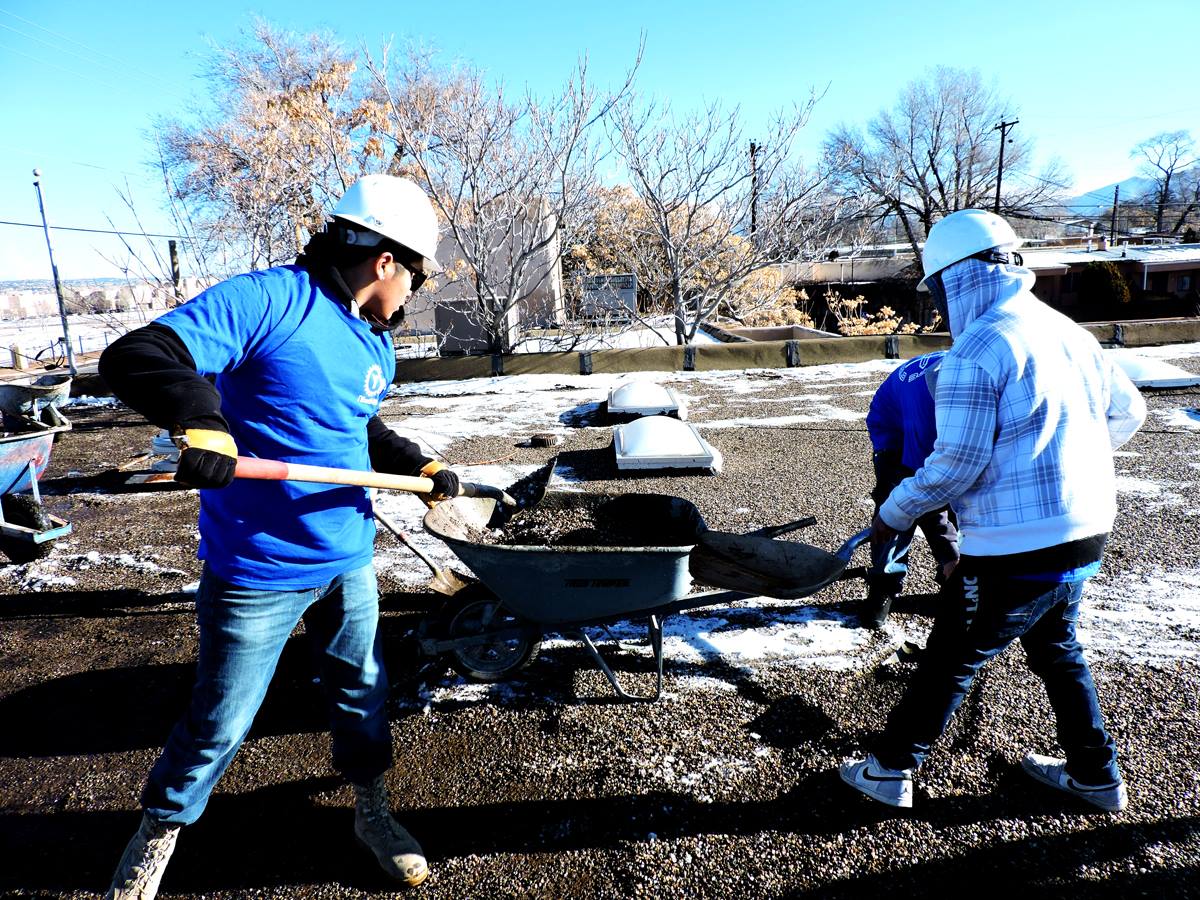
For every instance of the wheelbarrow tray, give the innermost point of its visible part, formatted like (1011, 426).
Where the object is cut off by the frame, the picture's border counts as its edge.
(556, 585)
(566, 588)
(18, 451)
(28, 397)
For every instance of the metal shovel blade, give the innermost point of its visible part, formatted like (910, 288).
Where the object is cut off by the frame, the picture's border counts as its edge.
(444, 581)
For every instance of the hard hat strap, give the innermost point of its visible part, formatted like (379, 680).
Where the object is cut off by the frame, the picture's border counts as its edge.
(996, 255)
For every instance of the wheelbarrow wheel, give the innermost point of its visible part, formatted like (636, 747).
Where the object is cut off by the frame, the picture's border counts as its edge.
(22, 509)
(475, 610)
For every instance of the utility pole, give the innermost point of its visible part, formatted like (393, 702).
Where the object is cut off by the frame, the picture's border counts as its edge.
(173, 250)
(754, 148)
(1003, 129)
(62, 306)
(1113, 228)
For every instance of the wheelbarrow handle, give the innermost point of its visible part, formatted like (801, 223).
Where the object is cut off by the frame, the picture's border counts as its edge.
(847, 549)
(771, 531)
(275, 470)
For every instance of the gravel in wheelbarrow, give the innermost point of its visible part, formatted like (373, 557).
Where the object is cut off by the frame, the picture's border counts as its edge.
(586, 524)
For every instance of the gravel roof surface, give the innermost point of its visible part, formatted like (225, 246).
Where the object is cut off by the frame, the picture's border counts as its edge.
(542, 786)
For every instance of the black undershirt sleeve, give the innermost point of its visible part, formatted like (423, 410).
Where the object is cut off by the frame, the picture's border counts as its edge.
(392, 453)
(152, 371)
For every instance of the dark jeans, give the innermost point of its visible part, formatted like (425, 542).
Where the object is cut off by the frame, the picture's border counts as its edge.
(242, 634)
(983, 614)
(889, 562)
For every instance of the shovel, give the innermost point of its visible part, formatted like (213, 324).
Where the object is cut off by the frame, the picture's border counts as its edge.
(444, 581)
(274, 470)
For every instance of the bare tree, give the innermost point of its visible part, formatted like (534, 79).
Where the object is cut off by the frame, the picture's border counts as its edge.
(936, 151)
(712, 218)
(511, 176)
(290, 133)
(1162, 157)
(1189, 197)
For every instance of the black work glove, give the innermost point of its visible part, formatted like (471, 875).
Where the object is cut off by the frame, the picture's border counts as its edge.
(445, 482)
(208, 458)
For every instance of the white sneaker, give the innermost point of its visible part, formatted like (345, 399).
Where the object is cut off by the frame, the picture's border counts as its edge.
(144, 861)
(891, 786)
(397, 851)
(1052, 771)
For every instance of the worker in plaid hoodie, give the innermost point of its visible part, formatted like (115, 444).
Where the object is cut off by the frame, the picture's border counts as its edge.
(1028, 410)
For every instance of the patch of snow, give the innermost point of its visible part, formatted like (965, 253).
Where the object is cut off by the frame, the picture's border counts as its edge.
(1167, 351)
(84, 561)
(1146, 617)
(1185, 418)
(1152, 493)
(83, 400)
(807, 636)
(38, 583)
(658, 332)
(825, 413)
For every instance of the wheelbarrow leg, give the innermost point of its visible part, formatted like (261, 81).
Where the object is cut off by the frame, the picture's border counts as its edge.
(654, 630)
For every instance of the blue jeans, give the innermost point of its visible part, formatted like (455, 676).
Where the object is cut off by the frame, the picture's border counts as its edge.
(983, 614)
(242, 634)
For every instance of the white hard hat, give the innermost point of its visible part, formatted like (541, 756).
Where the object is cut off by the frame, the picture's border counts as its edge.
(962, 234)
(396, 209)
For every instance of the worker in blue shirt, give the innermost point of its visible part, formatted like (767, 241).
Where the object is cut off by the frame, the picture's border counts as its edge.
(903, 430)
(301, 357)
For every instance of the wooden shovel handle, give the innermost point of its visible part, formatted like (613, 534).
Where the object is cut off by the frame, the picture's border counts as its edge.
(274, 470)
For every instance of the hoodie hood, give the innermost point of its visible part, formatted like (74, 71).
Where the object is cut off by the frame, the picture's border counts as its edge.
(974, 286)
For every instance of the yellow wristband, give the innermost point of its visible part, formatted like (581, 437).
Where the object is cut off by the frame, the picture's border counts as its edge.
(208, 439)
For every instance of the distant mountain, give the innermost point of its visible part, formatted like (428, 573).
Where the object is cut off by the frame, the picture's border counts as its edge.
(1099, 201)
(46, 285)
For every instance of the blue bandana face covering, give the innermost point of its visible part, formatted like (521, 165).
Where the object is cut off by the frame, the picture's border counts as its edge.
(937, 293)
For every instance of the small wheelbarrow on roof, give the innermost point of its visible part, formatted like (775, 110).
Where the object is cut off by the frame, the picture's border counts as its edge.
(32, 423)
(493, 628)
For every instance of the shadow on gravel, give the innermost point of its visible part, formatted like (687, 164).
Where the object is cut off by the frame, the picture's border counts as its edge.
(134, 707)
(1046, 866)
(110, 481)
(89, 604)
(275, 837)
(286, 835)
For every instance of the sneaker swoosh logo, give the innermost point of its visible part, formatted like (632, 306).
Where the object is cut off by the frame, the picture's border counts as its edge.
(1087, 789)
(867, 775)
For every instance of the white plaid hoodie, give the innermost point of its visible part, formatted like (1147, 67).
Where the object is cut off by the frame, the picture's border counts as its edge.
(1029, 410)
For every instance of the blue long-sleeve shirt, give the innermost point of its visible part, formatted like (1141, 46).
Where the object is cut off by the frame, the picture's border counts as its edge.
(901, 417)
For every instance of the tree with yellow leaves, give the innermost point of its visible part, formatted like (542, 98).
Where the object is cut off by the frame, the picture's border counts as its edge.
(290, 133)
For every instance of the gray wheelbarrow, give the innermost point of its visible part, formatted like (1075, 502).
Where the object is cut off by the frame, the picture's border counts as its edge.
(492, 629)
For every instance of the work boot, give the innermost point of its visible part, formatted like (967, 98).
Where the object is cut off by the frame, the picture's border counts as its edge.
(399, 854)
(874, 610)
(1110, 797)
(144, 861)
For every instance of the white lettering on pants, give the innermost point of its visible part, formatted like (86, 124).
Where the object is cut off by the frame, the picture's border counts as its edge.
(971, 588)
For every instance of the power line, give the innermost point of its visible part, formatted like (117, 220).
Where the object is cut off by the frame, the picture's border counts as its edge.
(176, 237)
(90, 78)
(122, 66)
(43, 153)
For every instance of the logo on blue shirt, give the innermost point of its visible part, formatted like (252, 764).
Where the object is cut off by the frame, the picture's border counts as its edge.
(373, 385)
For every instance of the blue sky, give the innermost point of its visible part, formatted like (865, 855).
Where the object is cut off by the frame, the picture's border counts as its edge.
(83, 81)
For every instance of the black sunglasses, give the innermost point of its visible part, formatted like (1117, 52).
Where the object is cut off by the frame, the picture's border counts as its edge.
(418, 277)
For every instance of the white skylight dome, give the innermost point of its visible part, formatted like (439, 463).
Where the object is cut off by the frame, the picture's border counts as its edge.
(645, 398)
(660, 442)
(1154, 373)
